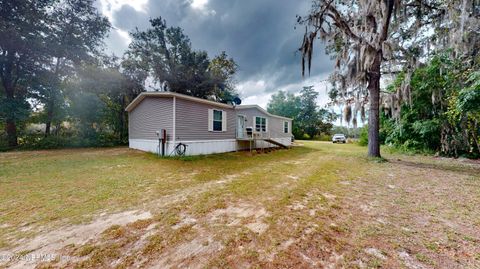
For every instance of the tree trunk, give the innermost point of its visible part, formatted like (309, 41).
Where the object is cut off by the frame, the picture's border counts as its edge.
(47, 128)
(11, 129)
(57, 128)
(119, 128)
(8, 84)
(474, 135)
(11, 126)
(374, 113)
(48, 124)
(51, 102)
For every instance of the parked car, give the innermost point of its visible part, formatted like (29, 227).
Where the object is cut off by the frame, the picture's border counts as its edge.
(339, 138)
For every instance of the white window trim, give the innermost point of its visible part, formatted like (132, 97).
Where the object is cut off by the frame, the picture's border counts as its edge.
(255, 124)
(288, 127)
(211, 120)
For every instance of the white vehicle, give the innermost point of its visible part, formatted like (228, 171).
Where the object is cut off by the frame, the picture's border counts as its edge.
(339, 138)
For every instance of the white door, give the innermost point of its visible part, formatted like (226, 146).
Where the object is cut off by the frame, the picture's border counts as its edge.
(240, 126)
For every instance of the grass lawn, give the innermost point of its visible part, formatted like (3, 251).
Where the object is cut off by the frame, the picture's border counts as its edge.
(315, 205)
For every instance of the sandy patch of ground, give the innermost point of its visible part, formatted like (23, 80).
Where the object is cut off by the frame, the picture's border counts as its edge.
(196, 252)
(184, 194)
(251, 215)
(45, 247)
(416, 216)
(192, 254)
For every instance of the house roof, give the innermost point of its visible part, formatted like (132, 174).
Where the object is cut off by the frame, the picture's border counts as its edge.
(261, 109)
(143, 95)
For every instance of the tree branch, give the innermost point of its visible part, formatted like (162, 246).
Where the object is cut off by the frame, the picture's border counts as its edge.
(386, 24)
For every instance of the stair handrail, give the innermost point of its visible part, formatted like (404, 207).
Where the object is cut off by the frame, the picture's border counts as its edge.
(265, 135)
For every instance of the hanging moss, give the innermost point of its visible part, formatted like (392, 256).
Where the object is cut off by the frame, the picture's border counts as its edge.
(347, 113)
(363, 116)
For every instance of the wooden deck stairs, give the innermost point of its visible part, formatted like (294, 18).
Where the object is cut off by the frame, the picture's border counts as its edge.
(269, 137)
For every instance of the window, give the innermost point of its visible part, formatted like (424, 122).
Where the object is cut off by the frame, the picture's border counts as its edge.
(285, 127)
(217, 120)
(260, 124)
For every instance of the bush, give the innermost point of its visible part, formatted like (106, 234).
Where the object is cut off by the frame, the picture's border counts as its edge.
(323, 137)
(3, 143)
(363, 139)
(352, 140)
(39, 141)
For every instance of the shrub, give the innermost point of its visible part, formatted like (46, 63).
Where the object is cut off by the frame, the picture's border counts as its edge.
(41, 142)
(3, 143)
(363, 139)
(323, 137)
(305, 137)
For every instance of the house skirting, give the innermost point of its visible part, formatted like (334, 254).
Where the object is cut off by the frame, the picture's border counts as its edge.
(198, 147)
(149, 145)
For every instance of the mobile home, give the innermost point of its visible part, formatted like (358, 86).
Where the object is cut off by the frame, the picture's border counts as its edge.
(160, 121)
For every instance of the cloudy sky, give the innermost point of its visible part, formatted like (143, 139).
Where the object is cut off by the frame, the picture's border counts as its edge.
(259, 34)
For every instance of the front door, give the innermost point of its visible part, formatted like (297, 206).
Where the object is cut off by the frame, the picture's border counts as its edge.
(240, 126)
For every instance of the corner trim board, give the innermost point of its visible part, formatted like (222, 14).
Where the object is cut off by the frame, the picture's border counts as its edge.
(174, 129)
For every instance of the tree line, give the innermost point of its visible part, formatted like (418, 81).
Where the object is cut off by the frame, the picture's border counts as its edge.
(443, 115)
(372, 41)
(309, 120)
(58, 86)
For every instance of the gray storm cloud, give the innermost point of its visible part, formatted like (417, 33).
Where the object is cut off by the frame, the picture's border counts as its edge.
(259, 35)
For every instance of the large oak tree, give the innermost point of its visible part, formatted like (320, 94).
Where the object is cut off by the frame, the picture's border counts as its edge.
(42, 41)
(22, 52)
(75, 33)
(165, 54)
(372, 38)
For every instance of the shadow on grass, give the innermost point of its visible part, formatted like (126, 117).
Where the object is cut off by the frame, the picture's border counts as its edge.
(457, 168)
(377, 159)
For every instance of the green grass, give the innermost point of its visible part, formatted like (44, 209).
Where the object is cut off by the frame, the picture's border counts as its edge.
(70, 186)
(39, 187)
(45, 190)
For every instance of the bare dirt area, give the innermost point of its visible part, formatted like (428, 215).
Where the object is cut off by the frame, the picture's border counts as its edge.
(315, 206)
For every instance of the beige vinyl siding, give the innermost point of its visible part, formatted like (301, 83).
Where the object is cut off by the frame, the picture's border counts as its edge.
(151, 115)
(277, 124)
(274, 124)
(250, 114)
(193, 121)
